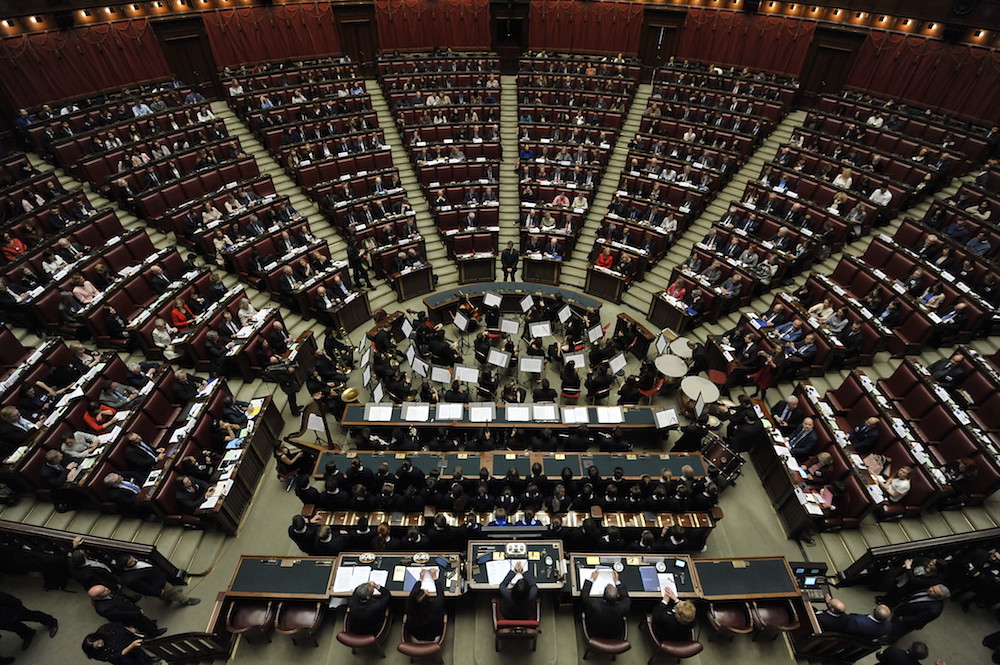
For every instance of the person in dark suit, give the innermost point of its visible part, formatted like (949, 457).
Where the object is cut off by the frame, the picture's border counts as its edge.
(123, 492)
(918, 610)
(606, 613)
(948, 371)
(140, 456)
(896, 656)
(303, 533)
(865, 436)
(673, 620)
(834, 618)
(803, 440)
(869, 626)
(147, 579)
(159, 281)
(787, 415)
(508, 261)
(424, 611)
(14, 428)
(113, 606)
(745, 434)
(191, 493)
(368, 606)
(518, 601)
(54, 473)
(13, 614)
(951, 323)
(691, 436)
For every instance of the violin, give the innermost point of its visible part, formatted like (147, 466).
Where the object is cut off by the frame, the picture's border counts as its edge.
(467, 308)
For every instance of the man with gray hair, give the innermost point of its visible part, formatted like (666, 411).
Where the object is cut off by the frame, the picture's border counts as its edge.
(368, 606)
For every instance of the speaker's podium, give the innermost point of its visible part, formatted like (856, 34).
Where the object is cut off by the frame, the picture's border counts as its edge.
(476, 267)
(605, 284)
(540, 269)
(413, 282)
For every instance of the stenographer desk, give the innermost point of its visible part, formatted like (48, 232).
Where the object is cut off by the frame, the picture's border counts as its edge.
(544, 560)
(398, 568)
(634, 465)
(711, 579)
(283, 577)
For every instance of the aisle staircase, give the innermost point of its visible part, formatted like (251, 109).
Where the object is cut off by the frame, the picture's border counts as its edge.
(574, 269)
(444, 268)
(510, 199)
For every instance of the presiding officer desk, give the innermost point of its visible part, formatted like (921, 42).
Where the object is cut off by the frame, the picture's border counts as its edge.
(441, 305)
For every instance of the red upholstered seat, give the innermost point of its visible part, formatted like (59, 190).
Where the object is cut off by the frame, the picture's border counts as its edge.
(676, 650)
(516, 629)
(422, 649)
(609, 647)
(362, 641)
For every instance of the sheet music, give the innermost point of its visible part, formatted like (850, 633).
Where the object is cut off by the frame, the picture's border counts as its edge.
(406, 327)
(610, 414)
(463, 373)
(573, 415)
(618, 363)
(519, 413)
(447, 411)
(565, 313)
(441, 374)
(461, 322)
(545, 412)
(419, 366)
(578, 359)
(411, 352)
(595, 333)
(380, 414)
(661, 344)
(527, 302)
(665, 418)
(498, 358)
(531, 364)
(366, 376)
(492, 300)
(509, 326)
(416, 413)
(481, 414)
(540, 329)
(378, 393)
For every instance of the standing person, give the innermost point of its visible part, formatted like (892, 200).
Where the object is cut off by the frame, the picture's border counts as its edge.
(13, 614)
(357, 264)
(118, 644)
(149, 580)
(508, 261)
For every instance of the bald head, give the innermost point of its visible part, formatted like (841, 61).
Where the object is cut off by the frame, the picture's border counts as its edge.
(98, 592)
(882, 612)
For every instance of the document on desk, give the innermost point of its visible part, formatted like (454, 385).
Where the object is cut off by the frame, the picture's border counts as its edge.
(416, 413)
(605, 576)
(498, 569)
(665, 418)
(348, 578)
(378, 413)
(575, 415)
(411, 577)
(481, 414)
(449, 411)
(545, 412)
(610, 414)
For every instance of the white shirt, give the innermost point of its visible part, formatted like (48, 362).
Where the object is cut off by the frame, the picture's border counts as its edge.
(882, 197)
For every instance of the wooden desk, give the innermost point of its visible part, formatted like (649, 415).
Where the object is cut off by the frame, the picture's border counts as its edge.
(605, 285)
(641, 347)
(540, 269)
(665, 312)
(352, 313)
(476, 268)
(413, 283)
(283, 577)
(638, 573)
(400, 582)
(544, 557)
(395, 321)
(746, 579)
(634, 465)
(442, 304)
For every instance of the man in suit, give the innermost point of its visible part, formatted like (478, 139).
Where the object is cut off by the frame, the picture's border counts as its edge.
(186, 387)
(803, 440)
(746, 433)
(518, 601)
(869, 626)
(54, 473)
(797, 358)
(606, 613)
(191, 493)
(117, 395)
(159, 281)
(147, 579)
(865, 436)
(341, 287)
(13, 614)
(508, 261)
(775, 316)
(140, 456)
(787, 415)
(834, 618)
(14, 429)
(951, 323)
(948, 371)
(918, 610)
(368, 606)
(896, 656)
(122, 492)
(113, 606)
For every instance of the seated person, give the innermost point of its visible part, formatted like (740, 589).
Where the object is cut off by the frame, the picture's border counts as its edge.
(424, 621)
(606, 613)
(368, 606)
(518, 601)
(673, 620)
